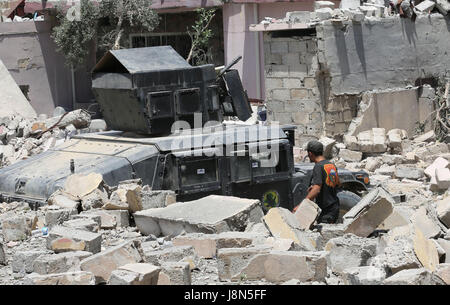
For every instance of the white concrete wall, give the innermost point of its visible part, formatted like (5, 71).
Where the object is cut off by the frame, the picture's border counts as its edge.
(388, 53)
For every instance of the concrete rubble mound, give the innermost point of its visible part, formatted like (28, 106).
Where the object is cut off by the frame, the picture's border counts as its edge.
(22, 136)
(211, 214)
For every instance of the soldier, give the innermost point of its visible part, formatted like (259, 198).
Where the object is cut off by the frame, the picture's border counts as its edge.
(324, 182)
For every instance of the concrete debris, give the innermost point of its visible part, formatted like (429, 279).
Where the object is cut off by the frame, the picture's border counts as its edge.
(23, 261)
(135, 274)
(399, 217)
(104, 263)
(349, 251)
(419, 276)
(425, 6)
(83, 224)
(425, 250)
(369, 213)
(63, 200)
(408, 172)
(323, 4)
(170, 254)
(283, 224)
(59, 263)
(12, 100)
(281, 266)
(63, 238)
(206, 245)
(177, 273)
(211, 214)
(426, 137)
(443, 211)
(78, 118)
(80, 186)
(443, 272)
(443, 6)
(365, 275)
(307, 213)
(68, 278)
(230, 261)
(328, 143)
(350, 155)
(56, 215)
(425, 223)
(18, 228)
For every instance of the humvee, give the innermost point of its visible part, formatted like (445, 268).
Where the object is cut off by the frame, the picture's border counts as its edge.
(156, 105)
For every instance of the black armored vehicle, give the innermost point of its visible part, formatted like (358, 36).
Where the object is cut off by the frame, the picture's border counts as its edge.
(166, 120)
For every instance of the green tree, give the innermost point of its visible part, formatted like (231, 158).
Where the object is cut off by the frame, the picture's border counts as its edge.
(105, 23)
(200, 34)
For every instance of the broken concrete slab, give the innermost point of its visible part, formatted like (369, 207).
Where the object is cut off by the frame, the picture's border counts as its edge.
(369, 213)
(440, 162)
(328, 144)
(92, 241)
(329, 231)
(443, 272)
(12, 100)
(104, 263)
(443, 178)
(170, 254)
(365, 275)
(419, 276)
(425, 6)
(173, 273)
(93, 200)
(349, 251)
(63, 200)
(426, 137)
(22, 261)
(206, 245)
(351, 142)
(425, 250)
(18, 228)
(79, 185)
(122, 217)
(56, 215)
(408, 172)
(281, 244)
(283, 224)
(68, 278)
(83, 224)
(399, 253)
(425, 223)
(399, 217)
(350, 155)
(230, 261)
(379, 140)
(281, 266)
(443, 6)
(107, 220)
(211, 214)
(79, 118)
(307, 213)
(135, 274)
(59, 263)
(157, 199)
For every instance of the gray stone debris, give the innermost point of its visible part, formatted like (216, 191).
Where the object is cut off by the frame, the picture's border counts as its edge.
(349, 251)
(90, 241)
(59, 263)
(211, 214)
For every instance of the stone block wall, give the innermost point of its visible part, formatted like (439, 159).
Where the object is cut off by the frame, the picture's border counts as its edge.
(292, 92)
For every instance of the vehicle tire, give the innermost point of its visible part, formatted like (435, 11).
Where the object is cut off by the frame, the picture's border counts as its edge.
(347, 200)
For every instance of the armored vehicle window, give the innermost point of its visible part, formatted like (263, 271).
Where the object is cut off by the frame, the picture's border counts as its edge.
(188, 101)
(240, 169)
(195, 172)
(159, 104)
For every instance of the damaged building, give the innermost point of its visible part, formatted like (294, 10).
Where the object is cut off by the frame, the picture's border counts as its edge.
(341, 77)
(113, 201)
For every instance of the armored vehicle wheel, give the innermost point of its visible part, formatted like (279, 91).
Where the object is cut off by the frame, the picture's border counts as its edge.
(347, 201)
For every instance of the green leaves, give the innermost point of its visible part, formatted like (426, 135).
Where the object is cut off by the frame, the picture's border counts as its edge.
(200, 34)
(105, 22)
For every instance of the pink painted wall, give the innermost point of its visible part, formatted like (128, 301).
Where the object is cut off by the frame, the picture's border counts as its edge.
(238, 40)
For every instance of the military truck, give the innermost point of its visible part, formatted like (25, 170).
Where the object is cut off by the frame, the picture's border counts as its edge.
(156, 105)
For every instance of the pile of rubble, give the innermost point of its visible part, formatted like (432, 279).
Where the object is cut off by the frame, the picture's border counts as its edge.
(353, 10)
(90, 233)
(21, 138)
(418, 166)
